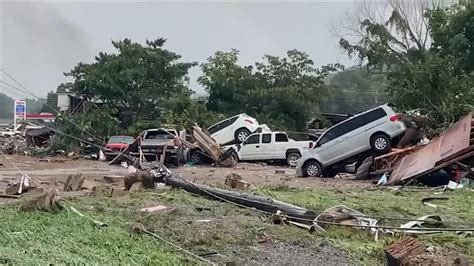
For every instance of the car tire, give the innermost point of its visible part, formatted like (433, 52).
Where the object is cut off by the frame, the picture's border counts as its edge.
(241, 135)
(292, 159)
(312, 169)
(196, 157)
(380, 143)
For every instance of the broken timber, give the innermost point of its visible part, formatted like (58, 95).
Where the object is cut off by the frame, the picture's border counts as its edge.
(265, 204)
(453, 145)
(398, 251)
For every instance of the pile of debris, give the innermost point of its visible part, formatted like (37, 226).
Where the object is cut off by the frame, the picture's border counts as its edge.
(30, 141)
(15, 145)
(451, 152)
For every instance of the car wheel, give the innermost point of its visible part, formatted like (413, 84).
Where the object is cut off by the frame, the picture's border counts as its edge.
(380, 143)
(241, 135)
(292, 159)
(196, 157)
(312, 169)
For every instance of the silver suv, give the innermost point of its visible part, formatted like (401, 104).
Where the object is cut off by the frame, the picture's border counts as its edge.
(374, 130)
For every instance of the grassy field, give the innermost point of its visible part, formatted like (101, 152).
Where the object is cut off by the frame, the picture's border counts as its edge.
(204, 226)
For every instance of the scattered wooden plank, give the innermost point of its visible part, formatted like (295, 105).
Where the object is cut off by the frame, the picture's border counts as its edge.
(6, 196)
(397, 252)
(397, 151)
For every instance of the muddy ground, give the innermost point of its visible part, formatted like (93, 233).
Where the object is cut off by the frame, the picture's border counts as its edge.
(53, 172)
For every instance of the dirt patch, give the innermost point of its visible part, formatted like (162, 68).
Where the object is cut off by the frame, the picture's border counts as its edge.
(298, 253)
(437, 256)
(266, 175)
(54, 173)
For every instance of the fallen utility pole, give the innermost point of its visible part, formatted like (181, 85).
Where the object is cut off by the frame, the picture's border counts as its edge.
(265, 204)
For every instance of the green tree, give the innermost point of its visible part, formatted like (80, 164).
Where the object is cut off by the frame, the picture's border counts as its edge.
(227, 83)
(51, 104)
(138, 78)
(425, 55)
(354, 90)
(100, 122)
(282, 92)
(6, 107)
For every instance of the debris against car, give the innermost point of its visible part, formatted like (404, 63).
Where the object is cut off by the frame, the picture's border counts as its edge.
(456, 143)
(162, 143)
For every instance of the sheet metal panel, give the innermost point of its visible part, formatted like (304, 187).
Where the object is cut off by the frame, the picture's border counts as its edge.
(453, 140)
(416, 163)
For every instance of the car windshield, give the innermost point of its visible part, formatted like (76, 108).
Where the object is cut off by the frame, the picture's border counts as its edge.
(160, 134)
(121, 139)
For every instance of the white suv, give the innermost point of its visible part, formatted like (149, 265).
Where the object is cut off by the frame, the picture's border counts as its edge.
(373, 130)
(233, 130)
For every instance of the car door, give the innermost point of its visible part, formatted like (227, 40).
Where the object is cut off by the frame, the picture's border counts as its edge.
(330, 147)
(266, 149)
(250, 148)
(281, 144)
(364, 126)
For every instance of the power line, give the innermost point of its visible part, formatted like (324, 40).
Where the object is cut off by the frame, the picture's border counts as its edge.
(46, 103)
(100, 223)
(13, 87)
(350, 225)
(13, 92)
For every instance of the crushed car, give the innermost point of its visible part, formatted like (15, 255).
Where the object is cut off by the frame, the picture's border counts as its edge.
(351, 142)
(230, 131)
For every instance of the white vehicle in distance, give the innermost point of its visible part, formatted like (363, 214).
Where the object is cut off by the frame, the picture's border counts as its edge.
(354, 139)
(235, 129)
(270, 146)
(18, 131)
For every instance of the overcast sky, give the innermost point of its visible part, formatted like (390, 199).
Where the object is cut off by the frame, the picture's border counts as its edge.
(40, 41)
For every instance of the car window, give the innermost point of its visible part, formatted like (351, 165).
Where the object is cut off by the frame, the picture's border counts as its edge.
(373, 115)
(352, 124)
(222, 125)
(160, 134)
(253, 139)
(335, 132)
(121, 139)
(280, 137)
(266, 138)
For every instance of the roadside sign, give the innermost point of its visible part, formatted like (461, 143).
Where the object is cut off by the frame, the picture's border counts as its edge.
(19, 111)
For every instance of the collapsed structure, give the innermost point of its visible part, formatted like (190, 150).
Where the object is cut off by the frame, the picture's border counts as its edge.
(452, 146)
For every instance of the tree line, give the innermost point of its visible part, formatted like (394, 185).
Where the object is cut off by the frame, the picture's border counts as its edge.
(420, 61)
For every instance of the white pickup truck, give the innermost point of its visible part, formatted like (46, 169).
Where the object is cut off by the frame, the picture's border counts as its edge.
(270, 146)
